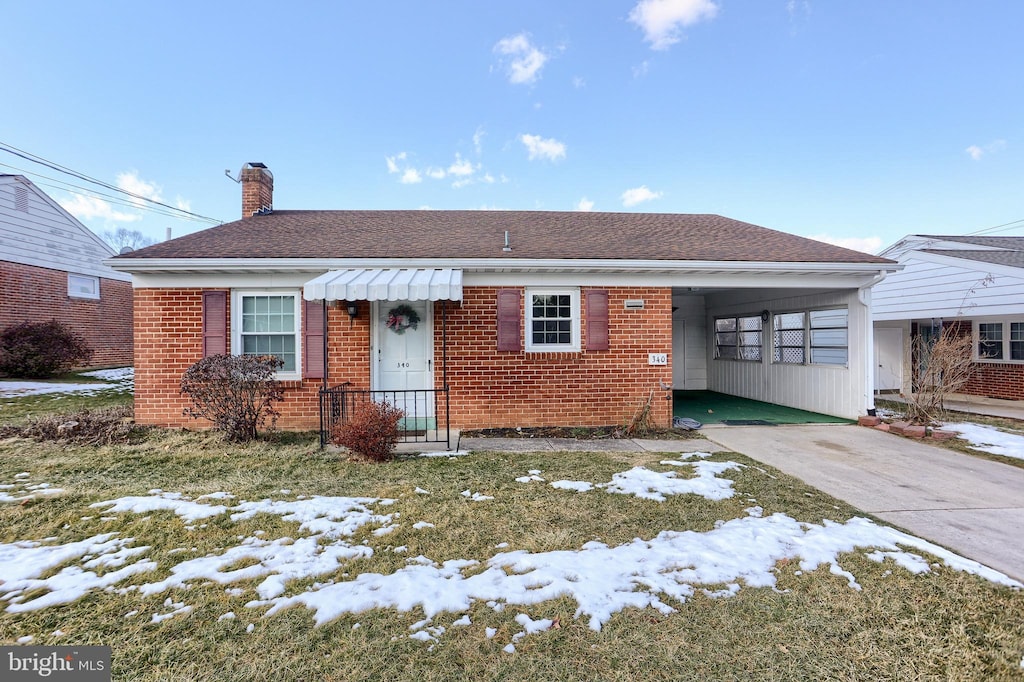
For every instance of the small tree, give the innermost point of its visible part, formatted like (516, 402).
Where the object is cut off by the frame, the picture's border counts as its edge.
(946, 366)
(38, 350)
(371, 432)
(235, 392)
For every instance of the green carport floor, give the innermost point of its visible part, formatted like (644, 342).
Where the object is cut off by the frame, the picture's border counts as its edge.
(709, 407)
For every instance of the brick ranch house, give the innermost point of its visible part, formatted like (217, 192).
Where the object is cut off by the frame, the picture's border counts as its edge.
(518, 318)
(972, 283)
(51, 267)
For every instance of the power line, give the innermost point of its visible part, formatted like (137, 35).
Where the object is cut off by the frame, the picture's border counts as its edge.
(999, 228)
(95, 194)
(28, 156)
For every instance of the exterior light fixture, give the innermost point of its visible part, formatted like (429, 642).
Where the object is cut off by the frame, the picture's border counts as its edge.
(353, 310)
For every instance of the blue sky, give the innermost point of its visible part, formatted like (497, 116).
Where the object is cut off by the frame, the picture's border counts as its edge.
(854, 122)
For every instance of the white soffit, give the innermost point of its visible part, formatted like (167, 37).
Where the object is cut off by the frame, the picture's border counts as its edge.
(386, 284)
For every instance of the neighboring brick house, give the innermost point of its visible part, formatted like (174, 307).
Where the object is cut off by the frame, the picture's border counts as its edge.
(51, 267)
(975, 283)
(527, 318)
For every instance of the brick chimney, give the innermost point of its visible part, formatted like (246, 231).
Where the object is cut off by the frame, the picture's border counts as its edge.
(257, 189)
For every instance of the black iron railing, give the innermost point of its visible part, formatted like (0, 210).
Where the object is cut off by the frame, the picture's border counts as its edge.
(426, 411)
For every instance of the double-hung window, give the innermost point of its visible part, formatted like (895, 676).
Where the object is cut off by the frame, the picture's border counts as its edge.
(1000, 341)
(738, 338)
(268, 323)
(552, 319)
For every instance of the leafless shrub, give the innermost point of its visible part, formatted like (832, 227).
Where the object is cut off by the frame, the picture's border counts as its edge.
(235, 392)
(946, 365)
(107, 426)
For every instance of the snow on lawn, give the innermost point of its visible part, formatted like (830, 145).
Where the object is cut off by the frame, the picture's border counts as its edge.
(21, 490)
(990, 439)
(660, 573)
(653, 485)
(121, 379)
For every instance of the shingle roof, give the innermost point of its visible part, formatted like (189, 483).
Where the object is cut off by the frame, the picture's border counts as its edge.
(1013, 243)
(480, 234)
(1013, 259)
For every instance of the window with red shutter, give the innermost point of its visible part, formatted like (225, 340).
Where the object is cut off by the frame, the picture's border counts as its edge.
(313, 341)
(509, 320)
(215, 323)
(597, 319)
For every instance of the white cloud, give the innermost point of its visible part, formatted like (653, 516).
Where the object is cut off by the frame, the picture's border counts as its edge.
(976, 152)
(578, 82)
(488, 178)
(478, 140)
(864, 244)
(641, 69)
(183, 204)
(540, 148)
(131, 182)
(89, 208)
(392, 162)
(585, 205)
(461, 167)
(411, 176)
(522, 60)
(798, 7)
(662, 20)
(638, 195)
(436, 173)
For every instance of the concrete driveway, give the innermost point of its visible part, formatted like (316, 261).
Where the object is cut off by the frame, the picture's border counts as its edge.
(970, 505)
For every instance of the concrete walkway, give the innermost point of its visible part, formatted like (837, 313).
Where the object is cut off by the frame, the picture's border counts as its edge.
(970, 505)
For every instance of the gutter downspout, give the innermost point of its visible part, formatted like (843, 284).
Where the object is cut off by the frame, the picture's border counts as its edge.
(864, 297)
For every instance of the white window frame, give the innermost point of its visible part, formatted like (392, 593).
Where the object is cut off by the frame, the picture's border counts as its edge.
(74, 282)
(808, 330)
(236, 325)
(574, 327)
(1007, 325)
(738, 344)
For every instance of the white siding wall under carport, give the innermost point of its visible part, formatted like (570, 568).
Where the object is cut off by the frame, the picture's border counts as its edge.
(828, 389)
(689, 340)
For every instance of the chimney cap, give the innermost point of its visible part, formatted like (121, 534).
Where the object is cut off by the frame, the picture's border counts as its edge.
(256, 164)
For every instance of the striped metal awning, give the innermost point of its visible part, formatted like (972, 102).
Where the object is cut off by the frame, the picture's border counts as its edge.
(386, 284)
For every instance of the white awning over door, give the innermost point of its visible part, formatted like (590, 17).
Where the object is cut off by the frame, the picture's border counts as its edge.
(386, 284)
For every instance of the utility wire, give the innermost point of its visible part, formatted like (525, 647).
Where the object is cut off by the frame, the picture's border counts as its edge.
(999, 228)
(28, 156)
(95, 194)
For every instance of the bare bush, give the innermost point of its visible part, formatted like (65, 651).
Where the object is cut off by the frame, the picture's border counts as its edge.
(946, 365)
(235, 392)
(371, 432)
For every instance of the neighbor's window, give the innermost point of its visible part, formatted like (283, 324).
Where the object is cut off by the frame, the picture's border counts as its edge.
(553, 319)
(990, 341)
(738, 338)
(83, 286)
(1001, 341)
(818, 337)
(789, 335)
(267, 323)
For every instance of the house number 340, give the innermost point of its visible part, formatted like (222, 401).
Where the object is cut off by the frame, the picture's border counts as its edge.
(403, 365)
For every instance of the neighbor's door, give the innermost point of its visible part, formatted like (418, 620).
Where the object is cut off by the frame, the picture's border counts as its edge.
(888, 359)
(403, 358)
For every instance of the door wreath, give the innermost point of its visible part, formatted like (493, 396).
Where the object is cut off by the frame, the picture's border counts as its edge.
(402, 317)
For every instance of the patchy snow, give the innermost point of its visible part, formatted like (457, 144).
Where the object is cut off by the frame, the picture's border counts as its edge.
(603, 580)
(420, 525)
(476, 497)
(122, 379)
(421, 491)
(444, 453)
(578, 486)
(26, 491)
(990, 439)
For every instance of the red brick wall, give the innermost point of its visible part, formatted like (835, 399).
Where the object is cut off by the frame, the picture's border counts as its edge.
(488, 388)
(992, 380)
(33, 294)
(589, 388)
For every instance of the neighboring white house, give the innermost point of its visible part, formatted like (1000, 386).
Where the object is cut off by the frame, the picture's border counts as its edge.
(51, 267)
(976, 283)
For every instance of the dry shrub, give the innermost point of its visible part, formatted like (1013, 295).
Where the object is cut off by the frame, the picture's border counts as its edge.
(235, 392)
(371, 432)
(39, 350)
(107, 426)
(947, 365)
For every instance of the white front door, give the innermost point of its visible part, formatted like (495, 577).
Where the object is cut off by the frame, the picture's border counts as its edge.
(403, 358)
(888, 359)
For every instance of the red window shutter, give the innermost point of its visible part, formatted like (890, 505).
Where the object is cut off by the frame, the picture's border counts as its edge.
(313, 339)
(215, 323)
(597, 319)
(510, 335)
